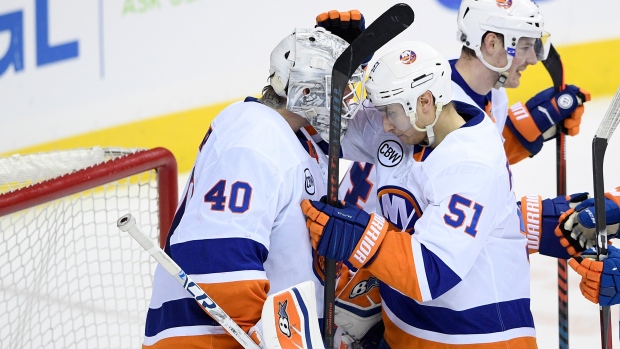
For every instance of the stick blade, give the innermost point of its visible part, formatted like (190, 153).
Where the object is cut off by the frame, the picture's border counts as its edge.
(611, 119)
(391, 23)
(554, 66)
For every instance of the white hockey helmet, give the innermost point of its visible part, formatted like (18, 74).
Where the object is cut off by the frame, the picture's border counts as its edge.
(513, 19)
(301, 68)
(404, 74)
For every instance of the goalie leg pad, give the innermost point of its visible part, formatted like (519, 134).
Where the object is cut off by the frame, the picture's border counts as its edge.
(289, 319)
(358, 306)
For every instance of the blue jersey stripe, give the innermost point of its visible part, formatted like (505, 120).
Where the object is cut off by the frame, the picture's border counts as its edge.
(490, 318)
(439, 276)
(177, 313)
(206, 256)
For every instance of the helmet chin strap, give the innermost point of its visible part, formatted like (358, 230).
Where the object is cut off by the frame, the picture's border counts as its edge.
(413, 116)
(503, 72)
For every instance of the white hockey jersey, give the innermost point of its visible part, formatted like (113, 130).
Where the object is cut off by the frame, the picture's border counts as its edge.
(358, 184)
(239, 231)
(455, 267)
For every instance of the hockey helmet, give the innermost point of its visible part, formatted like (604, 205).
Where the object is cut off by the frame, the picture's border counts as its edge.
(301, 68)
(404, 74)
(513, 19)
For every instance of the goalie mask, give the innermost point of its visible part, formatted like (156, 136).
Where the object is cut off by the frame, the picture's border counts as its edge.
(301, 68)
(513, 19)
(404, 74)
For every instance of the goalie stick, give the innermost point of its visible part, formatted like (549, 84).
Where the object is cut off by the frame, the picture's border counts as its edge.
(127, 223)
(599, 145)
(554, 67)
(391, 23)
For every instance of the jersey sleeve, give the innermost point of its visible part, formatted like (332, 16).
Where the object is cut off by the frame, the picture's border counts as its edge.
(448, 237)
(223, 232)
(515, 151)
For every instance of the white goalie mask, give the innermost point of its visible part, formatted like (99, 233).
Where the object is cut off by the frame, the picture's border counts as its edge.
(301, 68)
(513, 19)
(404, 74)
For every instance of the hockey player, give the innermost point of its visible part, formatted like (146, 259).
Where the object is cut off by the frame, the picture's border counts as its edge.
(238, 230)
(462, 278)
(496, 35)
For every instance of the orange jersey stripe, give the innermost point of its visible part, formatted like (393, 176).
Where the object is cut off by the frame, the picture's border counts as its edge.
(395, 266)
(515, 152)
(220, 341)
(241, 300)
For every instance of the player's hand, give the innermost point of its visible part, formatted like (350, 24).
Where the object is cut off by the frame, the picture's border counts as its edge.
(344, 233)
(598, 278)
(577, 228)
(549, 108)
(537, 120)
(347, 25)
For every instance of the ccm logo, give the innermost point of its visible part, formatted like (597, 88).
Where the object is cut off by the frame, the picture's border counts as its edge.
(368, 242)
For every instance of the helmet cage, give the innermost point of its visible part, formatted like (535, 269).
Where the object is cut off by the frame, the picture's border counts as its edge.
(301, 68)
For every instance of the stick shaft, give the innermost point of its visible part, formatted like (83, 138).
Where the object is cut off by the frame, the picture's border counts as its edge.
(127, 223)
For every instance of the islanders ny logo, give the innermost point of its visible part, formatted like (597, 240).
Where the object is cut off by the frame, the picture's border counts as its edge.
(504, 3)
(407, 57)
(399, 207)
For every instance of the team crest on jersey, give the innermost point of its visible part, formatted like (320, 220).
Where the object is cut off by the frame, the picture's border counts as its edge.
(390, 153)
(399, 207)
(309, 182)
(407, 57)
(504, 3)
(363, 287)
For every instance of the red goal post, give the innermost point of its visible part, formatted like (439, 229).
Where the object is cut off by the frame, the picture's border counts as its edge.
(68, 277)
(159, 159)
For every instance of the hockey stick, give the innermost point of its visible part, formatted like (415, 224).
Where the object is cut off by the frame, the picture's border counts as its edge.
(599, 145)
(554, 66)
(391, 23)
(127, 223)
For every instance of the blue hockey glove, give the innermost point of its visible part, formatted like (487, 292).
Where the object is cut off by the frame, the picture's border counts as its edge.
(540, 219)
(600, 280)
(535, 122)
(346, 25)
(577, 228)
(344, 233)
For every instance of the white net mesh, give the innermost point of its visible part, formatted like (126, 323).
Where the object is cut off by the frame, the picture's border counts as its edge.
(68, 277)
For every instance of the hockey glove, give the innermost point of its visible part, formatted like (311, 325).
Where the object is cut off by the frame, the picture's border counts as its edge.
(537, 121)
(344, 233)
(346, 25)
(600, 280)
(577, 228)
(540, 219)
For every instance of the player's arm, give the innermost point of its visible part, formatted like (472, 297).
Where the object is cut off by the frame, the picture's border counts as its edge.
(529, 125)
(575, 232)
(398, 258)
(225, 248)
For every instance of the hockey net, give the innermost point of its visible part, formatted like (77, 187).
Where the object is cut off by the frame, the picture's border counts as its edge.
(68, 277)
